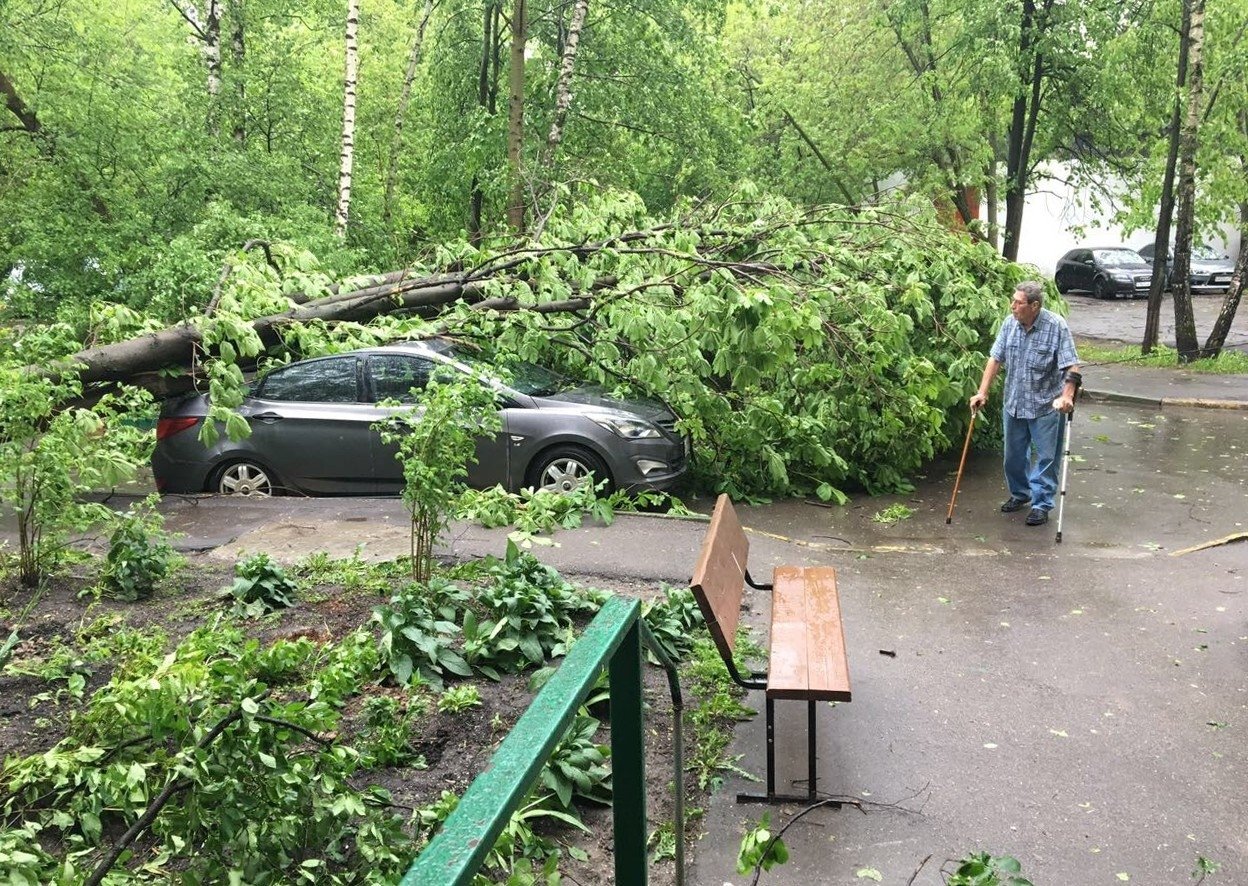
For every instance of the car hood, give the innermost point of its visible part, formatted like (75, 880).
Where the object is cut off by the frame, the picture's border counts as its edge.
(1215, 266)
(596, 397)
(1133, 267)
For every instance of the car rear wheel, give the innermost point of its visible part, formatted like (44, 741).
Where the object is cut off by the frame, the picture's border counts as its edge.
(1100, 289)
(244, 478)
(1062, 288)
(564, 468)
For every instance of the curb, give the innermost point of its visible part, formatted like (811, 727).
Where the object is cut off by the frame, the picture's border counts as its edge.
(1164, 402)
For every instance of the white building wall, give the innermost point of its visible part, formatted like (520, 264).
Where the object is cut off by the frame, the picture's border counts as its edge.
(1053, 217)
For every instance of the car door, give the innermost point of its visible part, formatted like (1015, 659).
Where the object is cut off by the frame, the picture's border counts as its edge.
(308, 423)
(1085, 270)
(401, 377)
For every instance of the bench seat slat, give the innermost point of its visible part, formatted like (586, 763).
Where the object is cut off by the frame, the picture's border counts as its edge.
(808, 658)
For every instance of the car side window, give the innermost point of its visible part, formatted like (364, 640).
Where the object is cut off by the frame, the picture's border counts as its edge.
(395, 375)
(319, 381)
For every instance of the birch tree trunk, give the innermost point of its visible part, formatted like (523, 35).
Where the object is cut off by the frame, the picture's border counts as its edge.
(1181, 284)
(206, 30)
(515, 115)
(563, 88)
(348, 119)
(405, 100)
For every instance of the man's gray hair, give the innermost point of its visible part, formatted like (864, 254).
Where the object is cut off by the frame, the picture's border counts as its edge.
(1034, 290)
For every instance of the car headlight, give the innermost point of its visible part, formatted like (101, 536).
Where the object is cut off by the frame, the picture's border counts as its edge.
(628, 428)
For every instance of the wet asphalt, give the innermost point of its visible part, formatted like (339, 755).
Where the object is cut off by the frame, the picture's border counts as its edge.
(1082, 707)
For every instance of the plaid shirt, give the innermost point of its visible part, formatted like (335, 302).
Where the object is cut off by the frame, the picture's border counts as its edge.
(1035, 362)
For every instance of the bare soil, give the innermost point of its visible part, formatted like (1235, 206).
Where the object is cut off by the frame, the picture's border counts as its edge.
(455, 747)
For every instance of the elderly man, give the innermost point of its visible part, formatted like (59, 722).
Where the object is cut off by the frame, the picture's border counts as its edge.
(1036, 349)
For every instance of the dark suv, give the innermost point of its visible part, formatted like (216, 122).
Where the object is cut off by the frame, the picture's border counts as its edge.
(1108, 272)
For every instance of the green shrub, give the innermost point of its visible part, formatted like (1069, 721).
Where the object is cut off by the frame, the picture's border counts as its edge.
(139, 554)
(261, 586)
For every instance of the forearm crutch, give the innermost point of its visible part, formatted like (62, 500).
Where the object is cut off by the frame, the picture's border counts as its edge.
(1070, 416)
(966, 447)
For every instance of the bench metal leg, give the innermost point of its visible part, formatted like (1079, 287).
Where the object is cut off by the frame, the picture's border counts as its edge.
(811, 795)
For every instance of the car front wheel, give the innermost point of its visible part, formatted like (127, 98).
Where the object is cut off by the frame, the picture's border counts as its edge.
(244, 478)
(1100, 288)
(564, 468)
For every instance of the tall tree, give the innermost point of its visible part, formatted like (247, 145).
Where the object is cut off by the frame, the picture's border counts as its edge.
(1161, 240)
(1180, 284)
(347, 157)
(515, 115)
(405, 100)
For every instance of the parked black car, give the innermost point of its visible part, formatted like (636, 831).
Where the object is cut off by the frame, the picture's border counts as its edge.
(312, 430)
(1106, 272)
(1210, 272)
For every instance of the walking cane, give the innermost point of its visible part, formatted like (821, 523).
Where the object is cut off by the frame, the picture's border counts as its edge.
(966, 447)
(1070, 416)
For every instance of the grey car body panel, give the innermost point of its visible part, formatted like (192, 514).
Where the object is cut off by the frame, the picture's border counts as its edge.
(331, 448)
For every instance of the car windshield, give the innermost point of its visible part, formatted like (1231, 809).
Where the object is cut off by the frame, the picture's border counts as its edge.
(1117, 258)
(1205, 252)
(525, 378)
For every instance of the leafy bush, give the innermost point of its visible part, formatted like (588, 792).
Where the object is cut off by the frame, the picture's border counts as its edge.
(528, 610)
(847, 362)
(52, 451)
(436, 439)
(139, 554)
(579, 767)
(417, 640)
(672, 619)
(460, 698)
(261, 586)
(254, 785)
(386, 735)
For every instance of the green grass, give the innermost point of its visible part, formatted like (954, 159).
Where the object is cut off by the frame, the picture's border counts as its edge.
(1229, 362)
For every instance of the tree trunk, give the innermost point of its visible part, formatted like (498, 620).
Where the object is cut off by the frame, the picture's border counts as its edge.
(1023, 118)
(1181, 284)
(485, 100)
(405, 99)
(1161, 241)
(348, 119)
(515, 116)
(238, 57)
(206, 26)
(1230, 304)
(563, 88)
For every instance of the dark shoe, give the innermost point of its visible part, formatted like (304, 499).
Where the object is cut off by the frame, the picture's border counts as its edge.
(1014, 504)
(1037, 517)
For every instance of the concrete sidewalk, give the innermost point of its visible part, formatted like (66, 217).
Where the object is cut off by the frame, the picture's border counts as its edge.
(1123, 321)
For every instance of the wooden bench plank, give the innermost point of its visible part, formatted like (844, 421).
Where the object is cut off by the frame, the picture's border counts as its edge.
(719, 577)
(808, 658)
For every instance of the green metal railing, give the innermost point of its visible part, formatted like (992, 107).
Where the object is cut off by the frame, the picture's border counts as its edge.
(615, 638)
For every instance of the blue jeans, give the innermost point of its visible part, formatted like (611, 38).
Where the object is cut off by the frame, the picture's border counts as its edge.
(1032, 457)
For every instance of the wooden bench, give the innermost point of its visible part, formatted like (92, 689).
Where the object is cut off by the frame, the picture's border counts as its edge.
(807, 660)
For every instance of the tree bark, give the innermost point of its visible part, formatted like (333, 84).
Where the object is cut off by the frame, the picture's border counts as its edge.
(1025, 113)
(206, 26)
(347, 159)
(515, 116)
(485, 100)
(1161, 241)
(1181, 284)
(238, 57)
(405, 99)
(1234, 293)
(563, 87)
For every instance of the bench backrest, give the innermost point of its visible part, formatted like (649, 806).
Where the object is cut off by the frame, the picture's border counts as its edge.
(719, 578)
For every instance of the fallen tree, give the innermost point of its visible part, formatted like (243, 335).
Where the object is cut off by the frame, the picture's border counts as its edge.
(803, 349)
